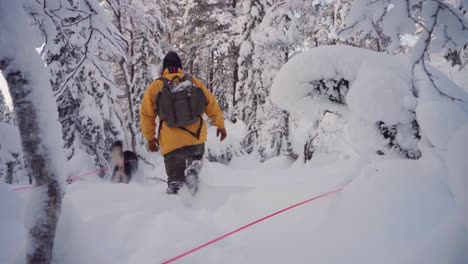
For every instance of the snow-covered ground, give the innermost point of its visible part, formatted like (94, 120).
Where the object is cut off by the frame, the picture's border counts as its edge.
(393, 211)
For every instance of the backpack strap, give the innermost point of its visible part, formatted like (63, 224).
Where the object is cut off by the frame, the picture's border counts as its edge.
(159, 129)
(166, 86)
(197, 135)
(159, 94)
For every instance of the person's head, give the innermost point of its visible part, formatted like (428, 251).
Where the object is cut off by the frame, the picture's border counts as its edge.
(172, 62)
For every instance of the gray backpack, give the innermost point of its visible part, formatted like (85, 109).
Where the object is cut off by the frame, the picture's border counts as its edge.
(181, 103)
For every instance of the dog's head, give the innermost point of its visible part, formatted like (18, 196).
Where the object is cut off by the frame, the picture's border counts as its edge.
(117, 151)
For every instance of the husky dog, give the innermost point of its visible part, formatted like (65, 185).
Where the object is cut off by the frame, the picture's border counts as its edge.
(126, 163)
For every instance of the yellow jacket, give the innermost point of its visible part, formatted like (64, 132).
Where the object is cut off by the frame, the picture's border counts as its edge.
(173, 138)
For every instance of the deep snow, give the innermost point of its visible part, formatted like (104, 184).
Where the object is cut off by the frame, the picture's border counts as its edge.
(392, 212)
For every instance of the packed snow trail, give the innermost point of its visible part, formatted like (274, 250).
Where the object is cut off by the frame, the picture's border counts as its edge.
(394, 211)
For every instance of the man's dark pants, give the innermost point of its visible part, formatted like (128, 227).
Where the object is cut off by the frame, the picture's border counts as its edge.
(183, 165)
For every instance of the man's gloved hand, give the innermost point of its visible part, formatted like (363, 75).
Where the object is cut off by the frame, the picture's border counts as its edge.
(153, 145)
(222, 132)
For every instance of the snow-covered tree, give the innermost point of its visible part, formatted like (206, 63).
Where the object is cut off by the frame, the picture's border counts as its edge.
(246, 98)
(37, 117)
(205, 39)
(321, 20)
(12, 167)
(277, 33)
(80, 44)
(6, 115)
(142, 23)
(437, 24)
(250, 17)
(357, 101)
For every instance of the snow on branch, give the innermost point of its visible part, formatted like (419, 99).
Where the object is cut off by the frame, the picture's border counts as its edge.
(437, 24)
(358, 96)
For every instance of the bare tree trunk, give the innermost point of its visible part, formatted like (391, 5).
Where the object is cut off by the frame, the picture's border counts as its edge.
(211, 71)
(236, 75)
(132, 121)
(9, 175)
(289, 151)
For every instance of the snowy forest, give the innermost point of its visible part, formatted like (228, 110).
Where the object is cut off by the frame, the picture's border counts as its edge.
(368, 95)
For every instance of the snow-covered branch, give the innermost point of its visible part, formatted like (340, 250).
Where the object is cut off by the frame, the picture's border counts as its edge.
(438, 25)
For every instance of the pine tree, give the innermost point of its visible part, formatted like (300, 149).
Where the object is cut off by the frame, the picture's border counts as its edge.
(278, 33)
(246, 98)
(206, 42)
(80, 45)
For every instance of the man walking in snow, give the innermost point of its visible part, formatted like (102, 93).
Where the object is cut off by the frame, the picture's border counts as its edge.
(179, 100)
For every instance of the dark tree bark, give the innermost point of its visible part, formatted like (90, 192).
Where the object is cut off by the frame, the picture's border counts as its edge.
(9, 175)
(289, 151)
(211, 71)
(30, 91)
(42, 232)
(235, 78)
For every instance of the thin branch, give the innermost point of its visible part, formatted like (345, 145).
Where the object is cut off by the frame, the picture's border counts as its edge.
(76, 22)
(79, 66)
(103, 75)
(373, 2)
(92, 13)
(461, 20)
(347, 28)
(431, 79)
(421, 60)
(408, 10)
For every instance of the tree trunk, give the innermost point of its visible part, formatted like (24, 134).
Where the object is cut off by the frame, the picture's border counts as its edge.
(289, 151)
(121, 77)
(211, 71)
(235, 78)
(31, 91)
(42, 232)
(132, 121)
(125, 85)
(9, 175)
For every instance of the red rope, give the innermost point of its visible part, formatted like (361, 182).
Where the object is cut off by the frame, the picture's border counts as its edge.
(74, 178)
(69, 179)
(251, 224)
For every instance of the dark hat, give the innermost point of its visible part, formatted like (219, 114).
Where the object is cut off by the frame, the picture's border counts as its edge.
(172, 60)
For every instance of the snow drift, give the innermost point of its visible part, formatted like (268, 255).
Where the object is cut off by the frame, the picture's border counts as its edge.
(376, 105)
(13, 233)
(357, 103)
(223, 152)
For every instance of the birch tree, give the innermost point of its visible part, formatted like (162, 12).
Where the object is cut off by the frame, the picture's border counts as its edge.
(36, 114)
